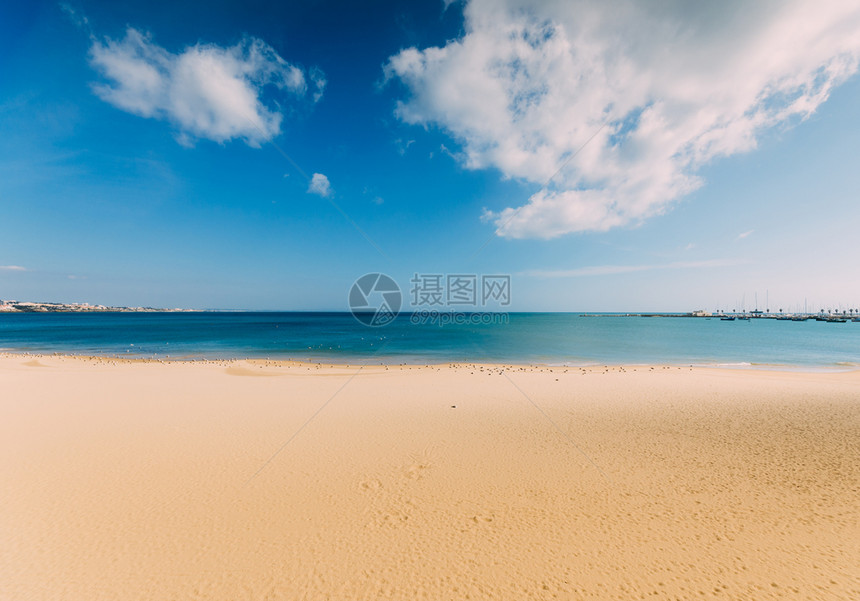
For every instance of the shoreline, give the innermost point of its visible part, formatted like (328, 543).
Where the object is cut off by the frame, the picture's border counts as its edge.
(401, 363)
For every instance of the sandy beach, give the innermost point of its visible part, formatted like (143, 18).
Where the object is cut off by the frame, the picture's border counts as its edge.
(258, 480)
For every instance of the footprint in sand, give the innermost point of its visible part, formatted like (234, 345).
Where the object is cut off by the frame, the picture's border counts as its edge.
(483, 519)
(397, 513)
(370, 485)
(416, 470)
(419, 465)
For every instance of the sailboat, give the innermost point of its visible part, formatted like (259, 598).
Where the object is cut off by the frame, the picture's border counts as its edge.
(743, 316)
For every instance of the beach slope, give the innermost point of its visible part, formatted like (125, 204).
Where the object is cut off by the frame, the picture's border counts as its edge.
(263, 481)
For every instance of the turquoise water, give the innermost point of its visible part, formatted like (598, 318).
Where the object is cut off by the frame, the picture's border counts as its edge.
(553, 338)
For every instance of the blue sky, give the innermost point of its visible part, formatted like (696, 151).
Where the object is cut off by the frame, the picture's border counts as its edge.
(142, 155)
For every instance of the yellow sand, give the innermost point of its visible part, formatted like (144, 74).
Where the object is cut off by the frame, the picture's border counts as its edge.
(177, 481)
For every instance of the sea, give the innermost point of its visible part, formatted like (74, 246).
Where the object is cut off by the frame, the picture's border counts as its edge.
(516, 338)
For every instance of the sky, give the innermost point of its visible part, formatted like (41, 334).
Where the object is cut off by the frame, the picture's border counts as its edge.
(253, 155)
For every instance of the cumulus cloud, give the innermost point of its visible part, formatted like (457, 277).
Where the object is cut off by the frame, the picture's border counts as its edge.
(320, 185)
(205, 91)
(656, 89)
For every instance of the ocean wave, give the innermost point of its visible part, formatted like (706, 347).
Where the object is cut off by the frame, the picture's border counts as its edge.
(734, 364)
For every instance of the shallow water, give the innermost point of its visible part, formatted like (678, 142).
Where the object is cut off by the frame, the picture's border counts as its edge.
(556, 338)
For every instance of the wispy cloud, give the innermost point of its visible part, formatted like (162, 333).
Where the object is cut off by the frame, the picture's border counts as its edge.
(12, 268)
(743, 235)
(403, 145)
(205, 91)
(320, 185)
(594, 270)
(76, 17)
(658, 89)
(319, 81)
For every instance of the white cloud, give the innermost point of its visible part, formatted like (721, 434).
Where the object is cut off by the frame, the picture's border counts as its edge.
(403, 145)
(663, 88)
(320, 185)
(12, 268)
(80, 20)
(444, 150)
(743, 235)
(205, 91)
(618, 269)
(317, 78)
